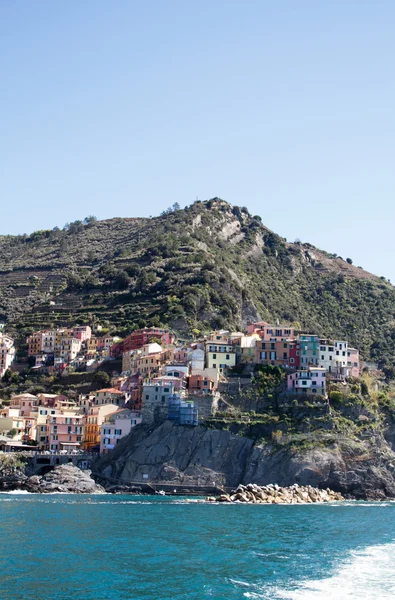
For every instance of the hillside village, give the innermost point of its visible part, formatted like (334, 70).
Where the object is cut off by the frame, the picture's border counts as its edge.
(160, 379)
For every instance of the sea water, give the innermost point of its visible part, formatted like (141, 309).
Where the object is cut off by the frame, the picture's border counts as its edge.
(63, 547)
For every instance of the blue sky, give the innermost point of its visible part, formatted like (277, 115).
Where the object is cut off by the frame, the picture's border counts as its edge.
(123, 108)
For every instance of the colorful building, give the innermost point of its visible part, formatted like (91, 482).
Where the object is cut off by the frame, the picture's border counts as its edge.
(116, 426)
(309, 346)
(141, 337)
(65, 430)
(220, 355)
(93, 422)
(311, 380)
(333, 356)
(353, 362)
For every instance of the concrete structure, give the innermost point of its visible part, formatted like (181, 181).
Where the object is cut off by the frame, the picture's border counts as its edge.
(311, 380)
(183, 412)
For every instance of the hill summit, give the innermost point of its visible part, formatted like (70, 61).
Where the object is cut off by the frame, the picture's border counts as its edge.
(208, 266)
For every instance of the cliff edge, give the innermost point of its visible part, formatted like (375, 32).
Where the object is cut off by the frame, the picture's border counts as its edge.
(197, 455)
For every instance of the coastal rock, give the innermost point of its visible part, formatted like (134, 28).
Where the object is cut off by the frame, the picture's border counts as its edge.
(276, 495)
(170, 453)
(66, 479)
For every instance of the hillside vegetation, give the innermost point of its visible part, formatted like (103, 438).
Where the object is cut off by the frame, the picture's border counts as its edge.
(208, 266)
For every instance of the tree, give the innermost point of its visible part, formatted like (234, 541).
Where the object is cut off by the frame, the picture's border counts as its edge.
(101, 379)
(349, 260)
(122, 280)
(89, 221)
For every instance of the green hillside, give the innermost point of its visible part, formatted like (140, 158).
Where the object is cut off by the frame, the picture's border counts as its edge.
(210, 265)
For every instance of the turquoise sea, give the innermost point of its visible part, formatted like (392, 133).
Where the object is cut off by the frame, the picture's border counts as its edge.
(63, 547)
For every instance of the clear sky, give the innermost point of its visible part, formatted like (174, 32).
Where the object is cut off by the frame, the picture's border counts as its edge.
(123, 108)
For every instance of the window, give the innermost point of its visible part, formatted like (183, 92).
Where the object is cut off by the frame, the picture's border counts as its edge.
(166, 390)
(147, 396)
(214, 366)
(291, 360)
(163, 398)
(118, 432)
(304, 382)
(214, 356)
(337, 352)
(285, 355)
(227, 357)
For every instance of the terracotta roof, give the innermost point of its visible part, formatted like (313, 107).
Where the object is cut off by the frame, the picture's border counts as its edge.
(110, 390)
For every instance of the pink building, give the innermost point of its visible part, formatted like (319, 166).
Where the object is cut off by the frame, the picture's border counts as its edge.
(117, 426)
(353, 362)
(82, 333)
(253, 327)
(65, 431)
(180, 355)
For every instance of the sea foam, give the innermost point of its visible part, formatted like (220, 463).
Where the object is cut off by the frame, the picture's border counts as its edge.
(367, 573)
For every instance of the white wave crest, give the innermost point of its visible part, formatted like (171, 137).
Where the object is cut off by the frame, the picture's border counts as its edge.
(368, 573)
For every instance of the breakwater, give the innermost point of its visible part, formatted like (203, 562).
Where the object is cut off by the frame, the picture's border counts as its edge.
(274, 494)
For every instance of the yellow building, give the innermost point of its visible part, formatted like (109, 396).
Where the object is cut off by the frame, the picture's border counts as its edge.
(220, 355)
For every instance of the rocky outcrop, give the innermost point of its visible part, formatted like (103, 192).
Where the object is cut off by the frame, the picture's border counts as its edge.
(200, 456)
(66, 479)
(274, 494)
(172, 453)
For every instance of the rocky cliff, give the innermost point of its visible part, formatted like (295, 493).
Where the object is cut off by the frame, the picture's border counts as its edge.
(172, 453)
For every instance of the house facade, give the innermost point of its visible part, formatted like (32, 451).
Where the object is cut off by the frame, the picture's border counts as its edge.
(117, 426)
(311, 380)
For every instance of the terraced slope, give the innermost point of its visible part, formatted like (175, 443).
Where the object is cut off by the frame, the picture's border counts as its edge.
(209, 265)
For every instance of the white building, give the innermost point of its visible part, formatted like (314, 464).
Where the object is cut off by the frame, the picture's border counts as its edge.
(7, 353)
(333, 356)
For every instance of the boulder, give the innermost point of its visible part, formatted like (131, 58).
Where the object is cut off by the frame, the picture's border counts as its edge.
(65, 479)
